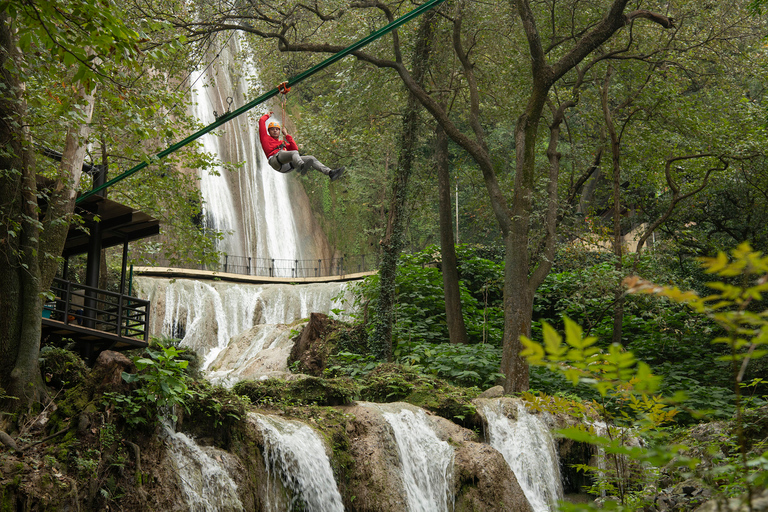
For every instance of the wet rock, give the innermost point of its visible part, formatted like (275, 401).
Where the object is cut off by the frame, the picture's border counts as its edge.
(482, 480)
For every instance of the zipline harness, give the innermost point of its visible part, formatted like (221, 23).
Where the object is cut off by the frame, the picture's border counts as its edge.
(264, 97)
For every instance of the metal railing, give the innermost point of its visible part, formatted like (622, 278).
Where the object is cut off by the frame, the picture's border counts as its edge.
(275, 267)
(80, 305)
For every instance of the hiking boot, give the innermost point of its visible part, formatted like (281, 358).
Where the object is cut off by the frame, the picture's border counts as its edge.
(336, 173)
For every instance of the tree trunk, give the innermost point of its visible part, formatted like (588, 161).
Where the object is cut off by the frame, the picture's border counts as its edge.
(19, 242)
(457, 331)
(393, 238)
(618, 304)
(30, 244)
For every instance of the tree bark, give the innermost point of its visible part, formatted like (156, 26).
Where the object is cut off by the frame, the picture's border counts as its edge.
(30, 242)
(457, 331)
(618, 302)
(19, 242)
(392, 243)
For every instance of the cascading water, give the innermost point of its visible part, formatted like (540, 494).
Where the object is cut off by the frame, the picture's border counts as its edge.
(529, 449)
(205, 483)
(427, 461)
(256, 207)
(294, 453)
(207, 316)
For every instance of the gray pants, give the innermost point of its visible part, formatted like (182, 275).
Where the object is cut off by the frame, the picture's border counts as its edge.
(287, 161)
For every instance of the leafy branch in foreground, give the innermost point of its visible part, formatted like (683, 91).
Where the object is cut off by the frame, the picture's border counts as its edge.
(628, 388)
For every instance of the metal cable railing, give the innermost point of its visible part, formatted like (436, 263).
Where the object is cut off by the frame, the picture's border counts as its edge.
(275, 267)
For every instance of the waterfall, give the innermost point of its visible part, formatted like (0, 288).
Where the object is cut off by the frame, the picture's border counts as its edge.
(427, 461)
(263, 213)
(205, 483)
(294, 453)
(528, 448)
(206, 316)
(212, 318)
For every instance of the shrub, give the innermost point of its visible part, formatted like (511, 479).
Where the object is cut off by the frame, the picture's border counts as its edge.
(161, 385)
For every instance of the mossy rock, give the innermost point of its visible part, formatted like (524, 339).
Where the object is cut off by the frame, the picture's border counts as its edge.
(396, 383)
(306, 391)
(389, 383)
(213, 411)
(62, 368)
(451, 404)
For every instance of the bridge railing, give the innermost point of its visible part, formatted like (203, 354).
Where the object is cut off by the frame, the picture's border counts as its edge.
(276, 267)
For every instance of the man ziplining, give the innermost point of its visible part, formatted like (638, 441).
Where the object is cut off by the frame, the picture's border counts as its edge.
(283, 155)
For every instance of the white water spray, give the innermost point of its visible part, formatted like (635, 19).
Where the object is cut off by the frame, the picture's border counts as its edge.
(205, 483)
(294, 453)
(207, 316)
(427, 461)
(529, 449)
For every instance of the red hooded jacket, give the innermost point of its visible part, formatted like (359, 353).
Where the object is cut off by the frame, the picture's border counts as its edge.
(271, 145)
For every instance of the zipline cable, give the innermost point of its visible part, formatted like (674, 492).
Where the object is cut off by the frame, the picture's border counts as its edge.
(264, 97)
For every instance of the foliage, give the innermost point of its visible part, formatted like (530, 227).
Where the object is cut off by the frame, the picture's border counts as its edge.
(669, 337)
(631, 387)
(212, 408)
(350, 364)
(161, 386)
(461, 365)
(420, 301)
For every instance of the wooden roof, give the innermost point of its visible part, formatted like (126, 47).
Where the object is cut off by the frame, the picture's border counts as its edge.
(119, 224)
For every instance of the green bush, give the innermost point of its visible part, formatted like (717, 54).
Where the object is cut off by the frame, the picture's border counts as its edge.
(462, 365)
(161, 385)
(420, 300)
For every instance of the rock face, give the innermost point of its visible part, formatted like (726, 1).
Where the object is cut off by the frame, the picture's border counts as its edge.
(261, 351)
(481, 479)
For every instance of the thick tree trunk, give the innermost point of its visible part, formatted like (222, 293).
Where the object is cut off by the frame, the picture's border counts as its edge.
(19, 242)
(457, 331)
(393, 238)
(29, 245)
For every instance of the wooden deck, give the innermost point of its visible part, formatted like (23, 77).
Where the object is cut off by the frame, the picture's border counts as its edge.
(95, 319)
(98, 340)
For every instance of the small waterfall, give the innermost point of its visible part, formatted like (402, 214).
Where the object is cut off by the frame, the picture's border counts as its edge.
(294, 453)
(529, 449)
(205, 483)
(427, 461)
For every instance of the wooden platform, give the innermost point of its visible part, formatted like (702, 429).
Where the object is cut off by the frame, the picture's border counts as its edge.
(85, 336)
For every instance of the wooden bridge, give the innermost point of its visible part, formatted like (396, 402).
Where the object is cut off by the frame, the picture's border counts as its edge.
(187, 273)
